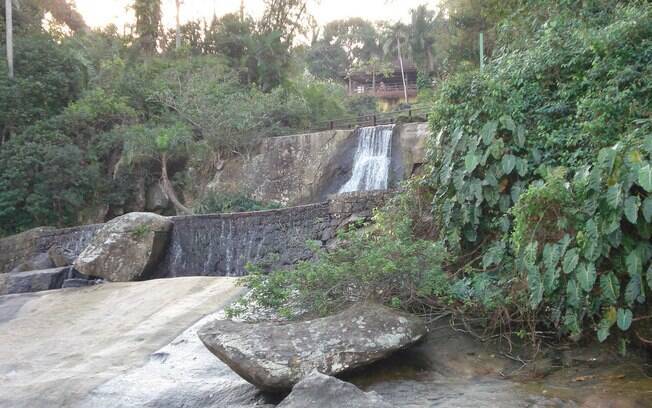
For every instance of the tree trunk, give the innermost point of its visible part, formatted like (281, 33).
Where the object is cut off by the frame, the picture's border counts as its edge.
(431, 59)
(178, 3)
(169, 190)
(9, 22)
(373, 80)
(400, 59)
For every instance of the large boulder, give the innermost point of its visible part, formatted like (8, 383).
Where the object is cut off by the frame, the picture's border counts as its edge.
(319, 390)
(275, 357)
(126, 248)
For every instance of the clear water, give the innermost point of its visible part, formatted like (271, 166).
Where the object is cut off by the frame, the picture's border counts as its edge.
(372, 160)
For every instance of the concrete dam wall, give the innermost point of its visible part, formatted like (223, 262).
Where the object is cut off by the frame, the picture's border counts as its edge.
(220, 244)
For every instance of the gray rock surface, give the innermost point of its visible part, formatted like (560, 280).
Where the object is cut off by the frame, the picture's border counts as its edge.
(32, 281)
(157, 200)
(61, 256)
(36, 263)
(91, 347)
(126, 248)
(319, 390)
(275, 357)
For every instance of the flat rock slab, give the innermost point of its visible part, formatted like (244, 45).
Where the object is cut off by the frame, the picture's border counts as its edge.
(275, 357)
(58, 346)
(319, 390)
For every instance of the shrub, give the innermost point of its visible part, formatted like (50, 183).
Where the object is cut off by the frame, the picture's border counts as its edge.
(382, 263)
(538, 169)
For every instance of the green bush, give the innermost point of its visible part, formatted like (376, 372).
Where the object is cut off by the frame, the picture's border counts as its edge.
(567, 247)
(382, 263)
(584, 246)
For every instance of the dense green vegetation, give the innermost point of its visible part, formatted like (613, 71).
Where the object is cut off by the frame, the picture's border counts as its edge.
(534, 210)
(93, 113)
(537, 187)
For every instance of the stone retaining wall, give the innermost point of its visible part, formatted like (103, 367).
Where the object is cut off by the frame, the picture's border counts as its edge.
(219, 244)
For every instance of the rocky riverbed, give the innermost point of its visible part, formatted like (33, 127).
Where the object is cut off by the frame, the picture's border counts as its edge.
(136, 345)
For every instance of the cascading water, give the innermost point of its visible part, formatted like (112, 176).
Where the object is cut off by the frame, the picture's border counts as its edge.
(372, 160)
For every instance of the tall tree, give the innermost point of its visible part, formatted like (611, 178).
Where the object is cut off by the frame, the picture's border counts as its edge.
(28, 15)
(282, 22)
(422, 36)
(64, 11)
(148, 24)
(9, 23)
(178, 32)
(288, 18)
(159, 143)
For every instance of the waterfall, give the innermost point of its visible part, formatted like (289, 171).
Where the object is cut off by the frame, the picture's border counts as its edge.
(372, 160)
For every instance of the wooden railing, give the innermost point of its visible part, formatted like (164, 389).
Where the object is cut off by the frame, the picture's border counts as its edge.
(372, 119)
(387, 91)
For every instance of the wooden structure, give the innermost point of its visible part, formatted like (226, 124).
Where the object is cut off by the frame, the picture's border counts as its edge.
(389, 89)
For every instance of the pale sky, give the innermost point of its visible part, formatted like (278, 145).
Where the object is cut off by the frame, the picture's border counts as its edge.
(98, 13)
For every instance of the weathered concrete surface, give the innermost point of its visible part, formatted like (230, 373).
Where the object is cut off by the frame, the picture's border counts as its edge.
(319, 390)
(275, 356)
(57, 346)
(126, 248)
(217, 244)
(408, 151)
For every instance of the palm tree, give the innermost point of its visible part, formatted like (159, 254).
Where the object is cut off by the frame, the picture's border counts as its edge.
(422, 34)
(9, 23)
(396, 37)
(178, 33)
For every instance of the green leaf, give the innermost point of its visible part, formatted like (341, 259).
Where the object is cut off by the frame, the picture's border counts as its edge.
(632, 204)
(508, 123)
(530, 254)
(521, 167)
(624, 319)
(563, 244)
(520, 136)
(536, 287)
(551, 255)
(645, 178)
(633, 263)
(570, 261)
(647, 209)
(615, 195)
(605, 324)
(649, 276)
(603, 333)
(610, 287)
(550, 279)
(647, 144)
(497, 148)
(508, 163)
(571, 322)
(471, 161)
(607, 159)
(633, 290)
(586, 276)
(488, 132)
(573, 294)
